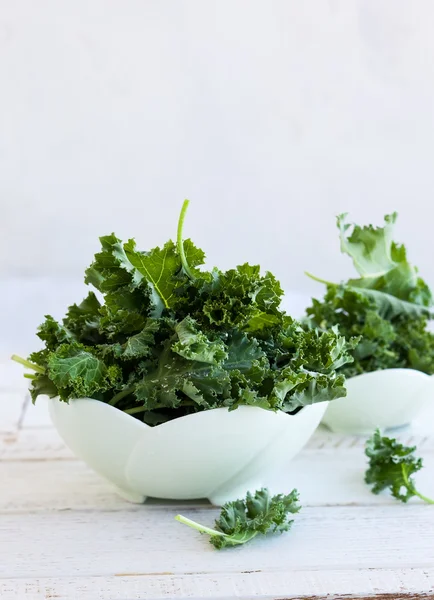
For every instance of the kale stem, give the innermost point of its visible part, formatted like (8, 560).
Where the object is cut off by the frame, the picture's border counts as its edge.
(199, 527)
(27, 364)
(121, 395)
(315, 278)
(411, 487)
(30, 376)
(180, 243)
(422, 497)
(133, 411)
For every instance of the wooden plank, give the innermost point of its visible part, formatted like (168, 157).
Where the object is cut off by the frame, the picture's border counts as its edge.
(423, 438)
(39, 442)
(45, 444)
(363, 584)
(148, 541)
(323, 479)
(34, 444)
(54, 485)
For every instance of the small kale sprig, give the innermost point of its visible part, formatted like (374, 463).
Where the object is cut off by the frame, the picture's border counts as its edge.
(391, 466)
(242, 520)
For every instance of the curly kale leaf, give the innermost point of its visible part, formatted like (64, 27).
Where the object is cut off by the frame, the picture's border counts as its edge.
(401, 342)
(84, 320)
(192, 344)
(381, 263)
(141, 344)
(392, 466)
(111, 268)
(322, 352)
(200, 372)
(53, 334)
(42, 385)
(75, 371)
(296, 390)
(242, 520)
(240, 297)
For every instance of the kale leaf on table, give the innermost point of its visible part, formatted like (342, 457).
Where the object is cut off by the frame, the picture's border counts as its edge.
(162, 338)
(388, 306)
(392, 466)
(242, 520)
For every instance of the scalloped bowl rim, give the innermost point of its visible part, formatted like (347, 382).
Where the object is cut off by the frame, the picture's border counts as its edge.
(387, 407)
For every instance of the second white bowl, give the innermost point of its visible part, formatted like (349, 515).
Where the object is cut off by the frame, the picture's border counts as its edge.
(385, 399)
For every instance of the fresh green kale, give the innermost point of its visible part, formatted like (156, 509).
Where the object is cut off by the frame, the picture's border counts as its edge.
(382, 263)
(391, 466)
(162, 338)
(242, 520)
(388, 307)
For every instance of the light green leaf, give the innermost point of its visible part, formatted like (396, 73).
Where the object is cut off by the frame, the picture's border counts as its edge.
(382, 263)
(194, 345)
(262, 320)
(389, 306)
(369, 247)
(316, 387)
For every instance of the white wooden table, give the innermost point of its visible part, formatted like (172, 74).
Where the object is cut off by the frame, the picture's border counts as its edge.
(64, 534)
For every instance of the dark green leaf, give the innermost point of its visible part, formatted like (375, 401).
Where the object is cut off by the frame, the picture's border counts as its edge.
(83, 320)
(42, 386)
(111, 268)
(141, 344)
(53, 334)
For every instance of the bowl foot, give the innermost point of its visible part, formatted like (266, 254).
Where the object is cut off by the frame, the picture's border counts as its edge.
(223, 495)
(130, 496)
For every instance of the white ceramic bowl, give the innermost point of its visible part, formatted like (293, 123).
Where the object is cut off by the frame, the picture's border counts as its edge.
(385, 399)
(215, 454)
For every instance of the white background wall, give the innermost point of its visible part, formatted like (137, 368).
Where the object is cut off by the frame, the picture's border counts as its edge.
(271, 116)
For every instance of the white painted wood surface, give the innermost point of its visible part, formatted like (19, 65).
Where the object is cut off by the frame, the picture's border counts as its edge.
(64, 534)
